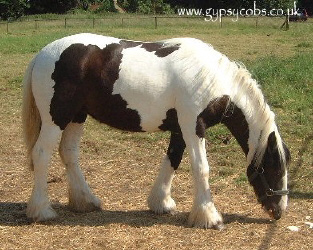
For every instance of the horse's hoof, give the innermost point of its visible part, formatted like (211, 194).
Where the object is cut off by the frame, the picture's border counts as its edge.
(205, 217)
(45, 214)
(84, 206)
(158, 206)
(219, 226)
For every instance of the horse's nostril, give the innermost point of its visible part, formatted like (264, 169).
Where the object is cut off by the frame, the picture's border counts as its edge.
(271, 213)
(277, 214)
(274, 213)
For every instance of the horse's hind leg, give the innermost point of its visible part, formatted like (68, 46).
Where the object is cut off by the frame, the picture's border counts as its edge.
(160, 200)
(39, 207)
(81, 198)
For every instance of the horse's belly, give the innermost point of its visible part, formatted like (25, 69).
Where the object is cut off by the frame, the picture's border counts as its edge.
(112, 111)
(151, 105)
(152, 123)
(145, 83)
(150, 109)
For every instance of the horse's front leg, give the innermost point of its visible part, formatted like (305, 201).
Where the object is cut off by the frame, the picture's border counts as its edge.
(160, 200)
(203, 213)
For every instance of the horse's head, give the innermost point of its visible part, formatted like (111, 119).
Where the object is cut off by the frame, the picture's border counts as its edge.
(268, 176)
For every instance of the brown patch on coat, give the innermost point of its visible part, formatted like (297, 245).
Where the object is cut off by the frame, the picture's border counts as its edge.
(177, 144)
(222, 110)
(84, 77)
(157, 47)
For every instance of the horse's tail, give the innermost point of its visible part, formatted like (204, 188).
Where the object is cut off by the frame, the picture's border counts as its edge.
(30, 116)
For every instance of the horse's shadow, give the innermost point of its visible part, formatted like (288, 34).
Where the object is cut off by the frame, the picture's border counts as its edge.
(13, 214)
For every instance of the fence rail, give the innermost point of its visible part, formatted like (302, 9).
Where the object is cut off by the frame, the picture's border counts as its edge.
(93, 20)
(124, 21)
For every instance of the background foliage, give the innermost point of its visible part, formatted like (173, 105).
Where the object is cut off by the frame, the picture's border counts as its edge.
(51, 6)
(16, 8)
(12, 8)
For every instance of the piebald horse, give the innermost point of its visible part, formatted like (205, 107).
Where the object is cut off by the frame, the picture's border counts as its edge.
(180, 85)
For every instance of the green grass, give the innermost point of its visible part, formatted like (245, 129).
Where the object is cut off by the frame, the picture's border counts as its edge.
(304, 45)
(288, 85)
(26, 44)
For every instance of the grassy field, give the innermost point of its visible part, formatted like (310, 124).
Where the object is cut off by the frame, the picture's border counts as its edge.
(121, 167)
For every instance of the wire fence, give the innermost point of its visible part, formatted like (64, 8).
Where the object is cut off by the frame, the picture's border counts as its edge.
(152, 22)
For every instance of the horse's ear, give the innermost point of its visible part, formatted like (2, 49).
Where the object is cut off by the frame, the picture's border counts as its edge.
(272, 143)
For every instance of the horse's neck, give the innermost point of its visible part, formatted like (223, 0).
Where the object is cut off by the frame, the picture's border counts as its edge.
(237, 124)
(239, 104)
(248, 116)
(224, 110)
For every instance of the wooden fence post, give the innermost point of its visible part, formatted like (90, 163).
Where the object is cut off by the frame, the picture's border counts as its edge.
(286, 23)
(65, 23)
(93, 23)
(8, 26)
(155, 22)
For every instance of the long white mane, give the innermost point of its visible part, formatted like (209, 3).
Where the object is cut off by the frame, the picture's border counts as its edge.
(213, 75)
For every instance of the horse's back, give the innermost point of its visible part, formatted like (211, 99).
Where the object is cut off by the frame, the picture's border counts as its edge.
(129, 85)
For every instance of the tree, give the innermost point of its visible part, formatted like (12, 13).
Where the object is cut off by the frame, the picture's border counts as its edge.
(52, 6)
(12, 8)
(306, 4)
(146, 6)
(233, 4)
(105, 6)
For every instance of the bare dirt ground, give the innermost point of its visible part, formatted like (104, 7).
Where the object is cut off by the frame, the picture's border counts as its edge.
(120, 169)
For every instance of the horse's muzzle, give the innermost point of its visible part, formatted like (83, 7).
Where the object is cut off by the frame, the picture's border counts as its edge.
(274, 212)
